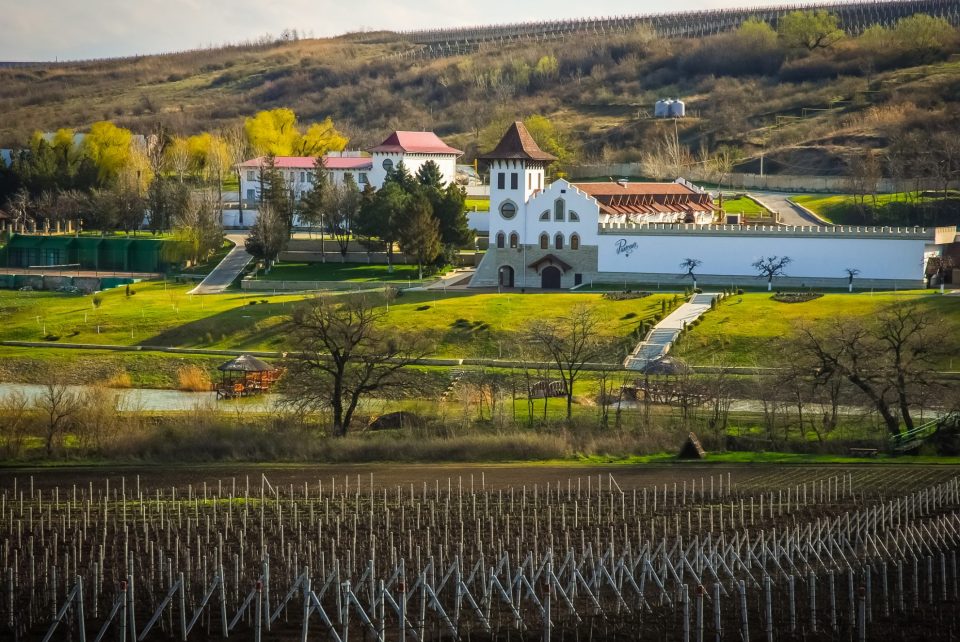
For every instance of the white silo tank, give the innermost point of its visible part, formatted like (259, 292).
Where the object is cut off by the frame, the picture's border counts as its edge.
(677, 109)
(662, 109)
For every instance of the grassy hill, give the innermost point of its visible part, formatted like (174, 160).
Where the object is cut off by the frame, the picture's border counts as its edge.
(805, 110)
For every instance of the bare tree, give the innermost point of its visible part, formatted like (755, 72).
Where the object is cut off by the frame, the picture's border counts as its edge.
(570, 342)
(851, 272)
(237, 151)
(690, 265)
(889, 359)
(15, 414)
(769, 267)
(59, 406)
(344, 354)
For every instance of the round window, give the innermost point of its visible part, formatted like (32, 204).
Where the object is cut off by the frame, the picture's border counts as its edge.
(388, 165)
(508, 210)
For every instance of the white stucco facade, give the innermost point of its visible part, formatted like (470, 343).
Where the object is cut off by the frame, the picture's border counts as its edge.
(413, 162)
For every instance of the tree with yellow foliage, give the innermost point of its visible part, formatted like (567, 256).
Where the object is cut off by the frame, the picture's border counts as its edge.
(108, 146)
(276, 133)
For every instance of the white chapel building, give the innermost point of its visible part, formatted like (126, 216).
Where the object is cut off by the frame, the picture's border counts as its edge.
(564, 235)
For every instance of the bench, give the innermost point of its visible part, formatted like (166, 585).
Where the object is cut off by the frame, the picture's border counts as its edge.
(864, 452)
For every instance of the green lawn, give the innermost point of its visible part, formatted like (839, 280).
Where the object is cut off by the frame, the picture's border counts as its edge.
(743, 330)
(480, 204)
(742, 205)
(844, 209)
(489, 325)
(157, 314)
(336, 271)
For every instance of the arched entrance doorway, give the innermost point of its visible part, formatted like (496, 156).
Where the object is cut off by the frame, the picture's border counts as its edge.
(505, 277)
(550, 278)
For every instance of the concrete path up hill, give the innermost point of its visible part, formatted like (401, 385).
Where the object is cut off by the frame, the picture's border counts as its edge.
(658, 341)
(227, 270)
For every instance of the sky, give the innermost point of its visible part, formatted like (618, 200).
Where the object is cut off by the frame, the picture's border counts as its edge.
(41, 30)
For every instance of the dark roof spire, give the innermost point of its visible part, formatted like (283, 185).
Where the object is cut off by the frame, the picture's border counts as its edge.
(518, 144)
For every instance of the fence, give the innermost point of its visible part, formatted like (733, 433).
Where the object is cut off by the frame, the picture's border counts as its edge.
(819, 558)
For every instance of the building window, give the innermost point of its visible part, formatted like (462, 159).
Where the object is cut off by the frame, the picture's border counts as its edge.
(539, 181)
(501, 180)
(529, 181)
(363, 178)
(508, 210)
(250, 175)
(514, 239)
(544, 241)
(558, 242)
(387, 165)
(578, 279)
(500, 240)
(559, 210)
(303, 177)
(348, 177)
(251, 194)
(574, 241)
(514, 180)
(574, 217)
(545, 216)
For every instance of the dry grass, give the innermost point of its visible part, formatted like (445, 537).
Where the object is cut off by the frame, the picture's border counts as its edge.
(120, 379)
(193, 379)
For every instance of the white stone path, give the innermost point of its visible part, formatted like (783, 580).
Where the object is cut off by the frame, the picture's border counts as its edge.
(658, 341)
(227, 270)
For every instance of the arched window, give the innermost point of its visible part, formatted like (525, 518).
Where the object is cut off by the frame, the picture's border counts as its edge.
(574, 241)
(559, 210)
(574, 217)
(508, 210)
(545, 216)
(558, 241)
(500, 240)
(544, 241)
(514, 239)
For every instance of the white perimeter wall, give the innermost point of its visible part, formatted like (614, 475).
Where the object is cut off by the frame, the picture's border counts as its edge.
(897, 259)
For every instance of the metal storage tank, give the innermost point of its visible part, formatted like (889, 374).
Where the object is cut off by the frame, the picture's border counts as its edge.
(677, 109)
(662, 108)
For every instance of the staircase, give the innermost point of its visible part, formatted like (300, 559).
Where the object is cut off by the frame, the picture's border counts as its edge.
(658, 341)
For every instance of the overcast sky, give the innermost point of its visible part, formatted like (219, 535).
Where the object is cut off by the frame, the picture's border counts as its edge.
(72, 29)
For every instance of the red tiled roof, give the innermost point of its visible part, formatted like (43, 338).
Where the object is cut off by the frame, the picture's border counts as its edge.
(347, 162)
(646, 198)
(308, 162)
(416, 143)
(517, 143)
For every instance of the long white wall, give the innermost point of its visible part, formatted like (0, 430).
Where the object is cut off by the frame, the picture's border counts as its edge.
(728, 254)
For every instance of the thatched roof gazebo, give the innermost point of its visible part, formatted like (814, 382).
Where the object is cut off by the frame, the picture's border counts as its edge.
(244, 376)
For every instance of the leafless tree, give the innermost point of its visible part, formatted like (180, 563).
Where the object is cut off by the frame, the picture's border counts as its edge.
(570, 342)
(769, 267)
(889, 359)
(14, 422)
(59, 406)
(690, 265)
(344, 354)
(851, 272)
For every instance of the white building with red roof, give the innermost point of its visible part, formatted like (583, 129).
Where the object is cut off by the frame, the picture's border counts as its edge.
(298, 172)
(564, 235)
(413, 149)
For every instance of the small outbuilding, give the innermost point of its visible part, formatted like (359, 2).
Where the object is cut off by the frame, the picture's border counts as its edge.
(245, 376)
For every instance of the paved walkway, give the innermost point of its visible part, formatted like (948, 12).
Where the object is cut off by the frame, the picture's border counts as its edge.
(227, 270)
(790, 213)
(657, 343)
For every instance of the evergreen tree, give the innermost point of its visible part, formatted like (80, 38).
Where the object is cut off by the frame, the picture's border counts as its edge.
(420, 235)
(275, 192)
(312, 206)
(429, 176)
(381, 216)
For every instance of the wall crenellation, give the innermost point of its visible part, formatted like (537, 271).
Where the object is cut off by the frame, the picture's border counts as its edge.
(864, 231)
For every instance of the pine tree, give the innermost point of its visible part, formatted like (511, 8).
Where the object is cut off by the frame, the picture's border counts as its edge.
(420, 234)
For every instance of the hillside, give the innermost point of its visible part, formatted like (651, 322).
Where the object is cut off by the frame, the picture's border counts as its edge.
(745, 91)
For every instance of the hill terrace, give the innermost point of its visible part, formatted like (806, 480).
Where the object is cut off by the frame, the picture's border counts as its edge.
(854, 17)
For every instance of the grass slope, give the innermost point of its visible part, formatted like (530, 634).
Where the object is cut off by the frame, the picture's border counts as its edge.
(743, 330)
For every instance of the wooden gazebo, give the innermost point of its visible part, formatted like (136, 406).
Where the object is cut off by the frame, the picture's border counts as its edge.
(245, 376)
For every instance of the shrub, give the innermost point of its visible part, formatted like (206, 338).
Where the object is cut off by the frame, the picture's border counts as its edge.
(119, 379)
(193, 379)
(97, 300)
